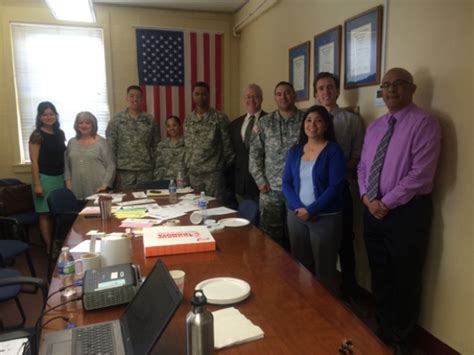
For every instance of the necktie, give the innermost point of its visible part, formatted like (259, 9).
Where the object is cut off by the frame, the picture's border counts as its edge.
(248, 130)
(374, 176)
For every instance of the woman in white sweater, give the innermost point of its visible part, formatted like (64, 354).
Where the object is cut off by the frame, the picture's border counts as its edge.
(89, 162)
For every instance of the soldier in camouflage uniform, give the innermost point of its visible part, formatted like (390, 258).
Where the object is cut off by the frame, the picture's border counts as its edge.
(133, 136)
(169, 157)
(207, 145)
(274, 135)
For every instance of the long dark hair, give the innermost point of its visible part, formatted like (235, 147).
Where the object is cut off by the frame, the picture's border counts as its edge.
(326, 116)
(43, 106)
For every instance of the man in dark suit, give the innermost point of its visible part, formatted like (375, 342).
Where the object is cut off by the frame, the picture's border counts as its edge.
(240, 131)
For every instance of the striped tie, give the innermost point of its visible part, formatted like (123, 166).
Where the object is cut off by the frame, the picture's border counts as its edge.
(374, 176)
(248, 131)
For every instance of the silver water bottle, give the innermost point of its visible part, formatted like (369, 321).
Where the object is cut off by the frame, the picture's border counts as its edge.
(199, 327)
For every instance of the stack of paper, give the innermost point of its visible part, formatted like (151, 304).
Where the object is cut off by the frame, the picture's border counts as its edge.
(232, 327)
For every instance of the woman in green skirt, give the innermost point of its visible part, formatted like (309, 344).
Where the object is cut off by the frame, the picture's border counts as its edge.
(46, 146)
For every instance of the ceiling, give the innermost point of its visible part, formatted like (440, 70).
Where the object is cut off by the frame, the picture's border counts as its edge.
(226, 6)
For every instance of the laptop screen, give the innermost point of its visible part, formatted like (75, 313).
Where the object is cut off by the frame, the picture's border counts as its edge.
(148, 314)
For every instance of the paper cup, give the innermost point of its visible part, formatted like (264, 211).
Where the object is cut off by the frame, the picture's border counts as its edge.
(196, 217)
(178, 277)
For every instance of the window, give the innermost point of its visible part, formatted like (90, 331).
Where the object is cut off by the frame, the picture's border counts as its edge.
(64, 65)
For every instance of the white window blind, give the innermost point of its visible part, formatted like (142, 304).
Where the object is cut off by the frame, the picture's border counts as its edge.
(64, 65)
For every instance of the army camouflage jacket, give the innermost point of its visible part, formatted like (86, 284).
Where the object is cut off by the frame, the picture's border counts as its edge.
(207, 142)
(169, 160)
(133, 141)
(269, 145)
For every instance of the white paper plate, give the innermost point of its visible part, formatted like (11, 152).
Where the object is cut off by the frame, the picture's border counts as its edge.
(224, 290)
(234, 222)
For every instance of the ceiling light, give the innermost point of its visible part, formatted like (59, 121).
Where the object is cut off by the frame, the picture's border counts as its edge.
(72, 10)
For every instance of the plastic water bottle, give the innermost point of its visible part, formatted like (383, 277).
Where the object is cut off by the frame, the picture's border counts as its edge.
(180, 180)
(172, 190)
(202, 204)
(67, 272)
(199, 327)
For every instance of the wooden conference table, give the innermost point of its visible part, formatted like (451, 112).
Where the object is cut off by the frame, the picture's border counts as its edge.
(297, 314)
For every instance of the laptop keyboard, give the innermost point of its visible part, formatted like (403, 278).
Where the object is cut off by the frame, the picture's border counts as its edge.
(94, 340)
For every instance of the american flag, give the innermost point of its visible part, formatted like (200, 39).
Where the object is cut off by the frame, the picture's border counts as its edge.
(170, 62)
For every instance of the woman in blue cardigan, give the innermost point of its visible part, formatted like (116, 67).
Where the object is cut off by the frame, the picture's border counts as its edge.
(313, 180)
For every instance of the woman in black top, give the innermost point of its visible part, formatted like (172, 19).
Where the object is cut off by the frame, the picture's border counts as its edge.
(46, 146)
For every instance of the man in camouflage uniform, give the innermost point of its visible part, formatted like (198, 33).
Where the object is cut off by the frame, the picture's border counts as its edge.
(208, 151)
(133, 135)
(275, 134)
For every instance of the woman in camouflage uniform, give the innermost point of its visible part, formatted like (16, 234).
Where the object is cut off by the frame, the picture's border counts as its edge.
(169, 154)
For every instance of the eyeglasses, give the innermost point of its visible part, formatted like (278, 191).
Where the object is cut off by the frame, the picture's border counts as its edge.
(395, 84)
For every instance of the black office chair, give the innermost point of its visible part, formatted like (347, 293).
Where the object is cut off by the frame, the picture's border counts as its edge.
(64, 209)
(153, 184)
(248, 209)
(11, 282)
(12, 243)
(26, 218)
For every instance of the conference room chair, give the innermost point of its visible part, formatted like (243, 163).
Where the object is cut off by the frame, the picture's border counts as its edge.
(11, 282)
(248, 209)
(26, 218)
(64, 208)
(154, 184)
(12, 243)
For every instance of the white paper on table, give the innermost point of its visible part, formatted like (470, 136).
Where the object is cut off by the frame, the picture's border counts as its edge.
(13, 347)
(218, 211)
(232, 327)
(96, 196)
(146, 206)
(137, 202)
(139, 194)
(137, 223)
(193, 197)
(164, 214)
(92, 210)
(176, 209)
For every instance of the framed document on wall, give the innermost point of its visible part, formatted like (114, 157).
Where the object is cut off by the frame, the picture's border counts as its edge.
(299, 70)
(327, 52)
(363, 42)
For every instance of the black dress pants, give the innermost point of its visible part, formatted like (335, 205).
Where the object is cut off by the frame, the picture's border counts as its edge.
(396, 247)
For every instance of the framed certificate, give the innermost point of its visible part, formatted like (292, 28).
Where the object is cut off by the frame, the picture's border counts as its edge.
(327, 52)
(363, 42)
(299, 70)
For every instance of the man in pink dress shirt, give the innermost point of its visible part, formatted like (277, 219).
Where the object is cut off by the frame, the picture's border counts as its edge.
(398, 212)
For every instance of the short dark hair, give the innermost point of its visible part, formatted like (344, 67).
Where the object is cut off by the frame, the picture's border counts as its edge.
(43, 106)
(176, 118)
(284, 83)
(326, 74)
(201, 84)
(326, 116)
(134, 87)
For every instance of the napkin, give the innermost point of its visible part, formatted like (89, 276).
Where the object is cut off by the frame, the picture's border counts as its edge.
(232, 327)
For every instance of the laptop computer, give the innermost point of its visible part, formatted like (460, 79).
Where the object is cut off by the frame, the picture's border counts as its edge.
(137, 330)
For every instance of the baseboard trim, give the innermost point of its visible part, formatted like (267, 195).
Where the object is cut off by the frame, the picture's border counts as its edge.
(422, 339)
(431, 345)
